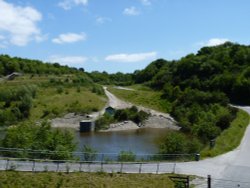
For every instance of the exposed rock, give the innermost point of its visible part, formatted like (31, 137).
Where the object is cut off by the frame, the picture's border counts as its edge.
(121, 126)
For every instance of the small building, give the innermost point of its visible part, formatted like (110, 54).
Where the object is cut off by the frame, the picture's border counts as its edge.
(109, 110)
(87, 126)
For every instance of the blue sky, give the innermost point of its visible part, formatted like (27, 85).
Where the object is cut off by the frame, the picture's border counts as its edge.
(118, 35)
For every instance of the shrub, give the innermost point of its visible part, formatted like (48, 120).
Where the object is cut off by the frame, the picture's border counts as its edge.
(126, 156)
(89, 154)
(59, 89)
(178, 143)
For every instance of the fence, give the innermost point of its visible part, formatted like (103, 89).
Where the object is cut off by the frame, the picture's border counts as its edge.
(125, 156)
(38, 165)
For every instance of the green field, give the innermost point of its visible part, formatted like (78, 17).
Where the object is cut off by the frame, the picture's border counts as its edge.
(144, 96)
(12, 179)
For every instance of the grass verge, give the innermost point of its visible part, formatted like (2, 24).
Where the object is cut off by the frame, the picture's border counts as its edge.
(144, 96)
(229, 138)
(94, 180)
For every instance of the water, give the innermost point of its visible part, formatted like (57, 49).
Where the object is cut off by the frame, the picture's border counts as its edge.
(140, 141)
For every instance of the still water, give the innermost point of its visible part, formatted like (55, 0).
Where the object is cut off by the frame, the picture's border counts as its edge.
(140, 141)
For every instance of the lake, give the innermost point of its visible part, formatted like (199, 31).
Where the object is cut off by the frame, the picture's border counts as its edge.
(139, 141)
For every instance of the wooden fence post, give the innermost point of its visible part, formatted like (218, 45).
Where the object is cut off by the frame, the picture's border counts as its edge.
(80, 168)
(121, 168)
(7, 164)
(187, 181)
(158, 167)
(140, 168)
(57, 167)
(102, 166)
(34, 166)
(209, 181)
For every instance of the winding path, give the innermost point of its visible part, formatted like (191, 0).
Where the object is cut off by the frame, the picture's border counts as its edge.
(156, 120)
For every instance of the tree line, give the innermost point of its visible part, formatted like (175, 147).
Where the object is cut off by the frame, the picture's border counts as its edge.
(9, 65)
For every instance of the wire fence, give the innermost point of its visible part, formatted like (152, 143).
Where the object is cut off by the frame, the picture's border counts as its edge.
(38, 165)
(43, 160)
(67, 166)
(125, 156)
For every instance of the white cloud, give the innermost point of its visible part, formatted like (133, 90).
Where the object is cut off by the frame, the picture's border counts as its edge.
(69, 38)
(68, 4)
(18, 24)
(146, 2)
(214, 42)
(131, 57)
(75, 61)
(131, 11)
(102, 20)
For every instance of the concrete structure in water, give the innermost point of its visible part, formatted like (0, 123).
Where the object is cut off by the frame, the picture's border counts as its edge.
(87, 126)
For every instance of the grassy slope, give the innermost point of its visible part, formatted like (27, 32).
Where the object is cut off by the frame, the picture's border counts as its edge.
(230, 138)
(70, 100)
(143, 96)
(93, 180)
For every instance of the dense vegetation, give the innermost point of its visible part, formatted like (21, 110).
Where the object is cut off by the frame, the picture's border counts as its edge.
(9, 65)
(229, 138)
(104, 78)
(201, 86)
(133, 114)
(16, 104)
(51, 143)
(224, 69)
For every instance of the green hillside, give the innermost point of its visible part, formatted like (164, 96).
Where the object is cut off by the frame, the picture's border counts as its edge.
(198, 89)
(44, 91)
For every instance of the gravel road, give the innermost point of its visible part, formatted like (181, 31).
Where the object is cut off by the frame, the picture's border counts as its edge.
(155, 120)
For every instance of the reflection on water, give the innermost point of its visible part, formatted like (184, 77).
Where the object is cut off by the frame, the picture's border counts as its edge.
(140, 141)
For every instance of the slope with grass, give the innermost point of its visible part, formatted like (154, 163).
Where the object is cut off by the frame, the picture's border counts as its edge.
(142, 96)
(52, 96)
(93, 180)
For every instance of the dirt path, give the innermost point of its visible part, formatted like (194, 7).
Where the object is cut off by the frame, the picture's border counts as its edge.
(155, 120)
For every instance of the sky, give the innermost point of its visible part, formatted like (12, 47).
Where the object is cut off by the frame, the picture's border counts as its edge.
(118, 35)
